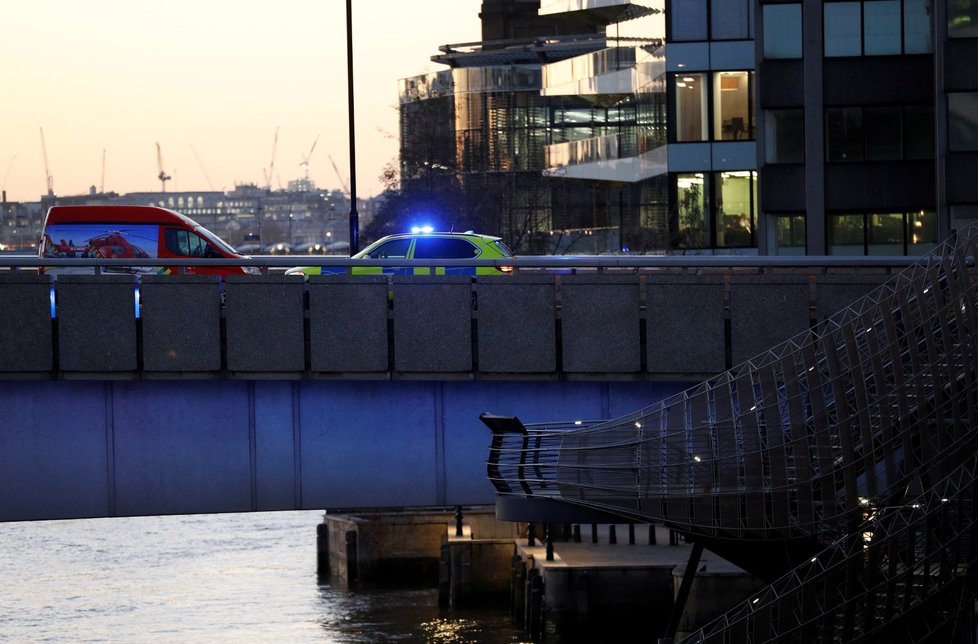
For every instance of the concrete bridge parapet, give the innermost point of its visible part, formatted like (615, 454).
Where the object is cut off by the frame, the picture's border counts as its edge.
(632, 325)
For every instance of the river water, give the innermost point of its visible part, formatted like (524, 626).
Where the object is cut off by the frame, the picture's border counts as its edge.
(206, 578)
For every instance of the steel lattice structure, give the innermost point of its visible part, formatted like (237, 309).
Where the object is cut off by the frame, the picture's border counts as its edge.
(840, 464)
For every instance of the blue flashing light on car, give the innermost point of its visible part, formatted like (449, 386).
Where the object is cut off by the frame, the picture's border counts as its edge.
(423, 230)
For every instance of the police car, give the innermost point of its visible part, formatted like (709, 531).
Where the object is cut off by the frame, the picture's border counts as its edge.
(423, 244)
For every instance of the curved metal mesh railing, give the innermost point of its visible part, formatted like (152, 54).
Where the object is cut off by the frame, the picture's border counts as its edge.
(906, 573)
(799, 442)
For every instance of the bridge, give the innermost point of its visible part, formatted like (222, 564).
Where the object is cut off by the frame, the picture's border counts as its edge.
(190, 394)
(840, 466)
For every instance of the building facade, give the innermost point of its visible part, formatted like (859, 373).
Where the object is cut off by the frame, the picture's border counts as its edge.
(820, 128)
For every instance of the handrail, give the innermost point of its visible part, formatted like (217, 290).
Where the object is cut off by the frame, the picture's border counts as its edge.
(519, 262)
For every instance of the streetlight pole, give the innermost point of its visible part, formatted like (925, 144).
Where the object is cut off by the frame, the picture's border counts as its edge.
(354, 217)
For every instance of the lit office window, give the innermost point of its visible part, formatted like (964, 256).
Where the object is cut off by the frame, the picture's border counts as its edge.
(730, 19)
(962, 18)
(843, 29)
(881, 28)
(691, 113)
(917, 27)
(731, 106)
(784, 136)
(786, 234)
(782, 30)
(962, 108)
(844, 134)
(687, 20)
(694, 229)
(735, 208)
(846, 235)
(922, 232)
(884, 133)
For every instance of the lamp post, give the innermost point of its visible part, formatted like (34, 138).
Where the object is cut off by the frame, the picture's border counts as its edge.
(354, 217)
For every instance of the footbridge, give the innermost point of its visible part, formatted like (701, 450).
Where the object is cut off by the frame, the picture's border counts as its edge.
(840, 465)
(129, 395)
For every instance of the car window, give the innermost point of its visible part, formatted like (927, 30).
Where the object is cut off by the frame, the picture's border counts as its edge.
(444, 248)
(502, 248)
(185, 243)
(394, 249)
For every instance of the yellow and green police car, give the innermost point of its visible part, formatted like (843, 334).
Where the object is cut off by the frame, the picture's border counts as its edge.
(423, 245)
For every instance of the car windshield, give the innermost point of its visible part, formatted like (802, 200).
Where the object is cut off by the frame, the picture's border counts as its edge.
(214, 239)
(503, 248)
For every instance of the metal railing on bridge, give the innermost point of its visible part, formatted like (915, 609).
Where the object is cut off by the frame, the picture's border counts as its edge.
(843, 459)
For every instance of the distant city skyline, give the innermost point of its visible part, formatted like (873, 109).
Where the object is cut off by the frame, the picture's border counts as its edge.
(232, 92)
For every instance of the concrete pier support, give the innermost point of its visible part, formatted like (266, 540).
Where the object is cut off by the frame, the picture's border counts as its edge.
(415, 547)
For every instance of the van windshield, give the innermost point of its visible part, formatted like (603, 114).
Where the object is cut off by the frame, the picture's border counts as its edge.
(214, 239)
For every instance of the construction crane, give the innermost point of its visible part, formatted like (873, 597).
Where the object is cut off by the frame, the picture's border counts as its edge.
(197, 156)
(6, 174)
(162, 176)
(271, 166)
(346, 188)
(305, 161)
(49, 180)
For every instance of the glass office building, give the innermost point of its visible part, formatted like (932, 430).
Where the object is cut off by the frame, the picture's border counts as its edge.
(816, 127)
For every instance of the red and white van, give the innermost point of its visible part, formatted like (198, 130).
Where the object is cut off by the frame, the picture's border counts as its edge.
(133, 232)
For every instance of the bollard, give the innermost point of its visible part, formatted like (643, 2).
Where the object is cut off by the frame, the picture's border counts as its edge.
(534, 618)
(458, 520)
(612, 537)
(594, 533)
(631, 534)
(652, 537)
(322, 550)
(577, 533)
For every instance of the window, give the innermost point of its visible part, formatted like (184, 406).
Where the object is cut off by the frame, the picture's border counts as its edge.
(443, 248)
(782, 30)
(881, 28)
(877, 28)
(884, 136)
(846, 235)
(784, 136)
(394, 249)
(879, 133)
(735, 211)
(962, 110)
(730, 19)
(917, 27)
(899, 233)
(691, 117)
(185, 243)
(715, 210)
(787, 234)
(922, 232)
(885, 234)
(918, 132)
(843, 26)
(962, 18)
(691, 206)
(687, 20)
(732, 114)
(844, 134)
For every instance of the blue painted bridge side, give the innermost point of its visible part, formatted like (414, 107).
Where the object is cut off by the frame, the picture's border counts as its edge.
(86, 448)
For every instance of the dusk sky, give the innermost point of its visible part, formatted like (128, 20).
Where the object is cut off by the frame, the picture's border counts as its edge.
(210, 81)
